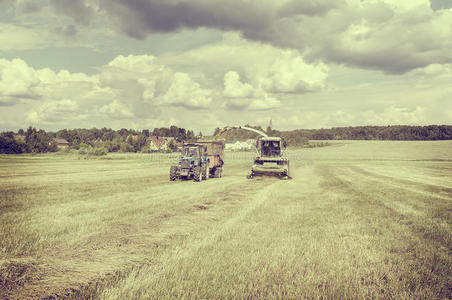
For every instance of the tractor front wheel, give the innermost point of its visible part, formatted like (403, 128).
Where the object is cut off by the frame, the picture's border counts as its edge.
(197, 174)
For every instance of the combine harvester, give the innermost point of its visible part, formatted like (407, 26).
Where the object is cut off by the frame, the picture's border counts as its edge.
(271, 159)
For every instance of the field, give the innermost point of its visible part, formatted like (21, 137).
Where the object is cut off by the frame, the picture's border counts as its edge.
(361, 219)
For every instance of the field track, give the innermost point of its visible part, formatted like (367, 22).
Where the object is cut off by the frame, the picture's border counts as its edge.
(351, 223)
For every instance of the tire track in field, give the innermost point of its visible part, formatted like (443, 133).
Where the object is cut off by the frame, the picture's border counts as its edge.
(61, 272)
(434, 229)
(437, 191)
(266, 190)
(421, 203)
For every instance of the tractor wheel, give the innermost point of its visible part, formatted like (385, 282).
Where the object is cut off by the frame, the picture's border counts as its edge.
(173, 173)
(205, 173)
(197, 174)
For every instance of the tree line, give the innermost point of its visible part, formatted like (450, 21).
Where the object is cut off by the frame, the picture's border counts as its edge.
(33, 140)
(129, 140)
(397, 133)
(301, 137)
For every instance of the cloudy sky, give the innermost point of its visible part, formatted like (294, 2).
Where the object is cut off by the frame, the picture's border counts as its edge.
(203, 64)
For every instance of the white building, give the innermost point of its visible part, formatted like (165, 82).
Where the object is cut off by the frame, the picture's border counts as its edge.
(240, 146)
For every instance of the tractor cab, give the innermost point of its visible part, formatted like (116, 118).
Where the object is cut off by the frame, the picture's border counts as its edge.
(192, 152)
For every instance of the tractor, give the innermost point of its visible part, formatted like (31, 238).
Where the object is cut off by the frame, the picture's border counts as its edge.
(193, 163)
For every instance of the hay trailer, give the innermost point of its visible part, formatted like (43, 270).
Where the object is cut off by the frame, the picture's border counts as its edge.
(215, 155)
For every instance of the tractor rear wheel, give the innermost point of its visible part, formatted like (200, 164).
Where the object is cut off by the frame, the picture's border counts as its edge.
(173, 173)
(197, 174)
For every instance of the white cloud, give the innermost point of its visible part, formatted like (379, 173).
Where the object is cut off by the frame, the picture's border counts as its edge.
(116, 110)
(150, 82)
(54, 112)
(13, 37)
(263, 103)
(185, 92)
(234, 88)
(135, 63)
(127, 88)
(395, 115)
(435, 71)
(17, 80)
(289, 73)
(245, 66)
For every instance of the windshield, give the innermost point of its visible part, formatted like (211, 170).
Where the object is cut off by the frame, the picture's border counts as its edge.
(191, 152)
(271, 148)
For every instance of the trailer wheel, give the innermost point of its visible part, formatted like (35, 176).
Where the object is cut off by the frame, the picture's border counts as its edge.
(173, 173)
(197, 174)
(204, 173)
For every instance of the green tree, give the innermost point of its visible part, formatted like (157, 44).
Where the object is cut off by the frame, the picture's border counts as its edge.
(10, 146)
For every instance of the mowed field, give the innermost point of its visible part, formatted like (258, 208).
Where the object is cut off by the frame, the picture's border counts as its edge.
(359, 219)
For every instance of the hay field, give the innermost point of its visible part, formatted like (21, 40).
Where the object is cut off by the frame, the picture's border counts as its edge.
(360, 219)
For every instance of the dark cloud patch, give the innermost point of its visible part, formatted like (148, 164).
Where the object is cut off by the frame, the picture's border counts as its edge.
(309, 7)
(76, 9)
(370, 35)
(138, 18)
(440, 4)
(26, 96)
(28, 6)
(67, 31)
(388, 61)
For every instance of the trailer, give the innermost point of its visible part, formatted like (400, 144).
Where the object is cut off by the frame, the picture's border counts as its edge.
(215, 155)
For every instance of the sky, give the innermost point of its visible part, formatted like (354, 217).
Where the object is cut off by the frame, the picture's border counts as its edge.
(202, 64)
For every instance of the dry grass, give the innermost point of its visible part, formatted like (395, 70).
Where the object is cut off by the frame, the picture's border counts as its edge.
(359, 220)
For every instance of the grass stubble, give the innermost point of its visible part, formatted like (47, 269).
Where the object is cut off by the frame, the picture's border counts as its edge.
(358, 220)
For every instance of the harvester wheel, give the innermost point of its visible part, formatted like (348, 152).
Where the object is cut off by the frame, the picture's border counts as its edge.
(173, 173)
(197, 174)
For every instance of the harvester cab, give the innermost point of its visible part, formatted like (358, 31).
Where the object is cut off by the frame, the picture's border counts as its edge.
(272, 159)
(193, 164)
